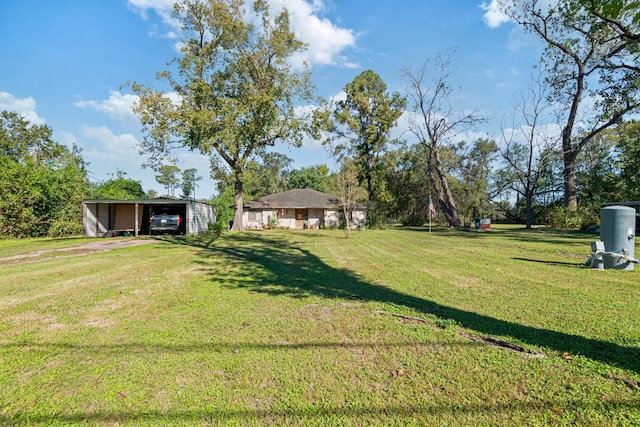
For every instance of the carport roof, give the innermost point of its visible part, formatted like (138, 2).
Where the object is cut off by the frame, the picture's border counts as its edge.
(158, 201)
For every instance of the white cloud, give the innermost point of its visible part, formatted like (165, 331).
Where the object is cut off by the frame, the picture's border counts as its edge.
(519, 39)
(195, 160)
(340, 96)
(493, 17)
(159, 5)
(162, 8)
(326, 42)
(107, 153)
(66, 138)
(113, 147)
(118, 106)
(543, 136)
(26, 107)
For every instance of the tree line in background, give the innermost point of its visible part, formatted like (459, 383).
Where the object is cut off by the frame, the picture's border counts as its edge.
(238, 95)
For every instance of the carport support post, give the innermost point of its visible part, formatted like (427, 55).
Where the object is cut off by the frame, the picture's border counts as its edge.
(136, 225)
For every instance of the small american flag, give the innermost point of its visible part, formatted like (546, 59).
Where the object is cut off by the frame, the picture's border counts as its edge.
(432, 208)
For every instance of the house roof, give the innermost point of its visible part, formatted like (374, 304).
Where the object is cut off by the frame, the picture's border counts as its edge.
(294, 199)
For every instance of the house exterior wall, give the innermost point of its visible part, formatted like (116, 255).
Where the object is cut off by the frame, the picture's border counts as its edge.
(103, 216)
(256, 218)
(95, 221)
(199, 216)
(287, 218)
(89, 220)
(315, 218)
(331, 218)
(359, 218)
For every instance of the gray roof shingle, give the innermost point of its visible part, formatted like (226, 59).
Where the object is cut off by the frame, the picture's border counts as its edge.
(294, 199)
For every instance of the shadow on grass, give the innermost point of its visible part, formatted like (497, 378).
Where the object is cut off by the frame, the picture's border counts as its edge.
(532, 235)
(315, 413)
(221, 347)
(272, 265)
(541, 261)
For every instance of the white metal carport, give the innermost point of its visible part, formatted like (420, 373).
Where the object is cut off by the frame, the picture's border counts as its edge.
(102, 217)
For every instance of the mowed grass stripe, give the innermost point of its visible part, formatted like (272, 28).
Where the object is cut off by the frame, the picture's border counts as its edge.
(281, 328)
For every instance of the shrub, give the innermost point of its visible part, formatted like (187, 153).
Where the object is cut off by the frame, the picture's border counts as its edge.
(214, 229)
(64, 228)
(414, 220)
(563, 218)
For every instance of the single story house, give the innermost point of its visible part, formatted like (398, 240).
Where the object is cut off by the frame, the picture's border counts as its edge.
(298, 209)
(109, 217)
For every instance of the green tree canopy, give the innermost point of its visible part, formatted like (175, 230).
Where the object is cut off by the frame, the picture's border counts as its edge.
(313, 177)
(269, 175)
(235, 88)
(42, 182)
(21, 140)
(628, 152)
(189, 182)
(168, 176)
(475, 176)
(119, 188)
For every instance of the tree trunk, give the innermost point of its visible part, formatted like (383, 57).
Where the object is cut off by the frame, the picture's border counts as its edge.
(238, 210)
(347, 229)
(528, 198)
(447, 203)
(443, 192)
(569, 178)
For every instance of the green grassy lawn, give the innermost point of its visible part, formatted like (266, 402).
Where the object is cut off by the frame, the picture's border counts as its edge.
(303, 328)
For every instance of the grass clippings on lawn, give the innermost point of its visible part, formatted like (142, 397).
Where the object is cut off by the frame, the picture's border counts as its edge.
(285, 328)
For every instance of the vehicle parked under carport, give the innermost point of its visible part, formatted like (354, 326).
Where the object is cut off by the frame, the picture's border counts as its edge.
(166, 222)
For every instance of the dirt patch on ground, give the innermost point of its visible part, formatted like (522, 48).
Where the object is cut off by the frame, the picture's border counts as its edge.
(86, 248)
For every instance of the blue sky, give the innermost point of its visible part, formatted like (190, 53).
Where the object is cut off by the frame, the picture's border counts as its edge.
(64, 62)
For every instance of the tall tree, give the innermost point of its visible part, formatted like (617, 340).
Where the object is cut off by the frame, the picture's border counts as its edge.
(591, 66)
(527, 145)
(436, 123)
(347, 188)
(361, 124)
(168, 177)
(235, 89)
(188, 182)
(475, 176)
(406, 175)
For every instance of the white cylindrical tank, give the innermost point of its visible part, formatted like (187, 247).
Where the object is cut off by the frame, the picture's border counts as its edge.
(617, 231)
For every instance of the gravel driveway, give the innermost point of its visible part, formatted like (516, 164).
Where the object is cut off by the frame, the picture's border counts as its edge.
(102, 245)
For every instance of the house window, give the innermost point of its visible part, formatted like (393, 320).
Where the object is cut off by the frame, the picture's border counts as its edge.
(255, 216)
